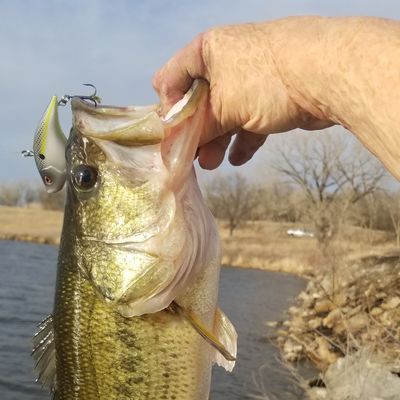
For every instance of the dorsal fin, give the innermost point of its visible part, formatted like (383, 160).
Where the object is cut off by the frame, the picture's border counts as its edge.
(44, 354)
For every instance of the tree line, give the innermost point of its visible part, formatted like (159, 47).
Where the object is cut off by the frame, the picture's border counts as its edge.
(322, 182)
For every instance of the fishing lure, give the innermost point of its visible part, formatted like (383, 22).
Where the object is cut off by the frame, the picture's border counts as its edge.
(49, 143)
(49, 149)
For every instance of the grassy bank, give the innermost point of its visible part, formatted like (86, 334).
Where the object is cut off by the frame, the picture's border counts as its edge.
(266, 245)
(263, 245)
(30, 224)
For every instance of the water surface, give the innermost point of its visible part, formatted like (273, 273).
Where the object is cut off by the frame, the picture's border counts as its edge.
(248, 297)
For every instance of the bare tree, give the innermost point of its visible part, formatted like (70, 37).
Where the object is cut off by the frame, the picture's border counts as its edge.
(333, 174)
(232, 198)
(278, 202)
(52, 201)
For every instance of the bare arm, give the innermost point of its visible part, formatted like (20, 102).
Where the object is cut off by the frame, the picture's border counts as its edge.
(307, 72)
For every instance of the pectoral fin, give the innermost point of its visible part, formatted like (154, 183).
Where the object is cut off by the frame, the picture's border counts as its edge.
(226, 332)
(44, 354)
(223, 340)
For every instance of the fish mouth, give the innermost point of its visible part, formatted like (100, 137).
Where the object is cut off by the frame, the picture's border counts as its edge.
(125, 111)
(129, 126)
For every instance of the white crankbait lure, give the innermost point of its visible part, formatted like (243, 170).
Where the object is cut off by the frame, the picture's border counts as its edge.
(49, 143)
(49, 149)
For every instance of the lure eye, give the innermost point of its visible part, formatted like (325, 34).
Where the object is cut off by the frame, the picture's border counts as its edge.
(48, 180)
(85, 177)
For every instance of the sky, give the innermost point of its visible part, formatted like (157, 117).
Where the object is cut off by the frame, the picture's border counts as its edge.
(52, 47)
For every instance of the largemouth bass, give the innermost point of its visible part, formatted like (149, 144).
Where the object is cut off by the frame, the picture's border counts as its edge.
(135, 314)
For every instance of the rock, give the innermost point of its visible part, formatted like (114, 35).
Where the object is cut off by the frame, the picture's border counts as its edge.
(361, 376)
(340, 328)
(306, 299)
(324, 305)
(327, 283)
(324, 351)
(334, 316)
(386, 318)
(307, 313)
(391, 303)
(340, 299)
(354, 311)
(318, 394)
(298, 323)
(293, 310)
(315, 323)
(381, 295)
(357, 322)
(281, 332)
(291, 350)
(376, 311)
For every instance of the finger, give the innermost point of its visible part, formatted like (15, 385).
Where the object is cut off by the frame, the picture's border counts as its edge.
(174, 79)
(316, 125)
(245, 145)
(212, 154)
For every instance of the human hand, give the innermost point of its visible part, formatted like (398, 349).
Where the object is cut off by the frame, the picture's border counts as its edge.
(248, 97)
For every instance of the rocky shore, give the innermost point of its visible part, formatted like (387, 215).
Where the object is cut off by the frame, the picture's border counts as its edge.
(347, 324)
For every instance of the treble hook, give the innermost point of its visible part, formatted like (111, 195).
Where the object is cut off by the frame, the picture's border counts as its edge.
(93, 97)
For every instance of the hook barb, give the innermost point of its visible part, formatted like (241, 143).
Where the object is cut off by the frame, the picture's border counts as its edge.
(93, 97)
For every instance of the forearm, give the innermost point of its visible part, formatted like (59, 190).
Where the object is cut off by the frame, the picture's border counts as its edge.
(346, 70)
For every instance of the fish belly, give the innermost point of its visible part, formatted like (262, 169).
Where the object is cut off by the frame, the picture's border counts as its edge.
(101, 355)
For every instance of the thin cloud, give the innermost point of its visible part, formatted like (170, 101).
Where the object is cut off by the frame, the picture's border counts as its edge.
(51, 48)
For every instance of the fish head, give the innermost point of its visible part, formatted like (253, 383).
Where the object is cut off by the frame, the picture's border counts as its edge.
(49, 149)
(140, 224)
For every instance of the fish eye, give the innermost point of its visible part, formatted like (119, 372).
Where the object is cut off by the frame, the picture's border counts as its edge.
(84, 177)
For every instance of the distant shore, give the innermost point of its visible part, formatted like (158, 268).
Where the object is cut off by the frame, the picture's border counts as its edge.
(261, 245)
(30, 225)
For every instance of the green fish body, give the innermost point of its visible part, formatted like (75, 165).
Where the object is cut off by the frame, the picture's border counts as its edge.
(138, 265)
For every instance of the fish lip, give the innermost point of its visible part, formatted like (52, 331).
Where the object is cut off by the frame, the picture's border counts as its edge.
(78, 104)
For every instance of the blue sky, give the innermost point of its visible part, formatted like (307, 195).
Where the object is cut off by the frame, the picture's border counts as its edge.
(51, 47)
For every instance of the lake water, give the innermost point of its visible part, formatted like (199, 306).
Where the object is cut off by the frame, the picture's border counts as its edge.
(248, 297)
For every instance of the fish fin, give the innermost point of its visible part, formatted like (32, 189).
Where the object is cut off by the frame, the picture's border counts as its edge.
(44, 354)
(209, 336)
(226, 333)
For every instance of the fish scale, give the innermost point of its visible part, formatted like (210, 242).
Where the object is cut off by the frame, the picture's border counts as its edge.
(112, 357)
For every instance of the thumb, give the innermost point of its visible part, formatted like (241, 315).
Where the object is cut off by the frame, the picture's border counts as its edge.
(174, 79)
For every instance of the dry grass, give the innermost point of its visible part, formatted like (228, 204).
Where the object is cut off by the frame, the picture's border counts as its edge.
(33, 225)
(262, 244)
(266, 245)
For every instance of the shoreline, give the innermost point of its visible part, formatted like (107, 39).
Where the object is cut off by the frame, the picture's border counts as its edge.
(52, 241)
(263, 245)
(30, 239)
